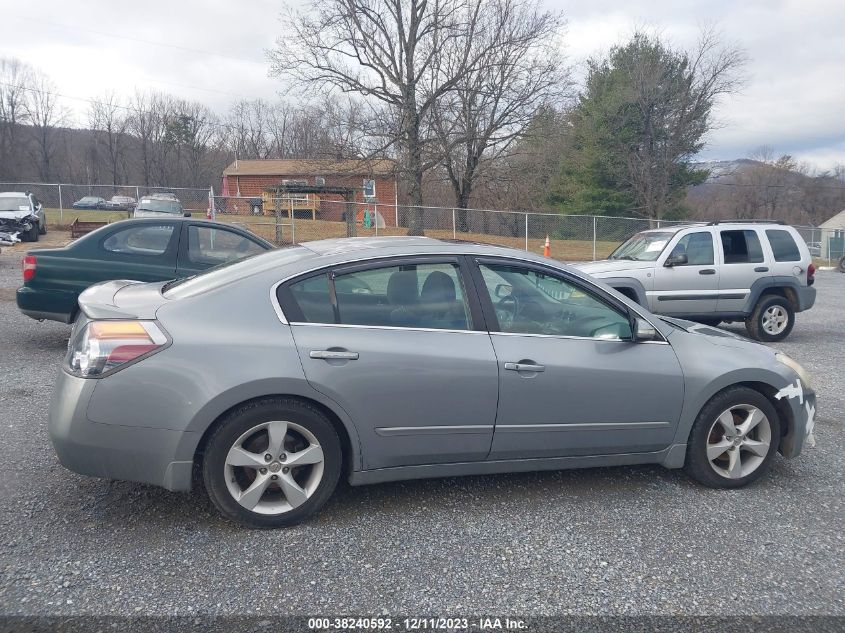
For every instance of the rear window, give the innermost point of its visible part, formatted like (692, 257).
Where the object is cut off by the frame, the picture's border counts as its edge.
(162, 206)
(233, 271)
(784, 247)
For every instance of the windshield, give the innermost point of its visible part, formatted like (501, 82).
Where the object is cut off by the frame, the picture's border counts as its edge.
(162, 206)
(642, 247)
(14, 204)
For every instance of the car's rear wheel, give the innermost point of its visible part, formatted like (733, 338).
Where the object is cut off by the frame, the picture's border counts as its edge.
(733, 440)
(272, 463)
(842, 265)
(772, 320)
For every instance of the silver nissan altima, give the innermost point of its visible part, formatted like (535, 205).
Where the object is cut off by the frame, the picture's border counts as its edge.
(380, 359)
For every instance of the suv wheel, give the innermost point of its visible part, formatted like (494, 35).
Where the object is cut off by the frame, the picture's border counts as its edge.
(733, 440)
(842, 265)
(272, 463)
(772, 319)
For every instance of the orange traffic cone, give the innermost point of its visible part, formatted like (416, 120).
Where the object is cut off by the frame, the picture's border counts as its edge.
(547, 248)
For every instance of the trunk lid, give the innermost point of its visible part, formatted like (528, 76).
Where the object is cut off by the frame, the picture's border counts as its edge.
(122, 299)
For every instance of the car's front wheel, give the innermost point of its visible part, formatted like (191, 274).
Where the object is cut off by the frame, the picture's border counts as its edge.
(772, 320)
(733, 440)
(842, 265)
(272, 463)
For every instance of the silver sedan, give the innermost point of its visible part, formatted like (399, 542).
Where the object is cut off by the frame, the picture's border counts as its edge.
(397, 358)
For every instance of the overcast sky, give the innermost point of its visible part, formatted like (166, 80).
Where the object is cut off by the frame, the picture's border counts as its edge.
(213, 51)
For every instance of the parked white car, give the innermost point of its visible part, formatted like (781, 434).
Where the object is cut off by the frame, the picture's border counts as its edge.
(757, 272)
(159, 205)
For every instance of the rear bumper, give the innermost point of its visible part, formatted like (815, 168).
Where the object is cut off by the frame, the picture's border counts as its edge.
(806, 297)
(47, 304)
(131, 453)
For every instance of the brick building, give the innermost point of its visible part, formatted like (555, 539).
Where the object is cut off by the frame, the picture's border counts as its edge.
(374, 182)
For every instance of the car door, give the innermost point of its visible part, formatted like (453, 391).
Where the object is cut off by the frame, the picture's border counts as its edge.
(203, 246)
(399, 346)
(686, 287)
(742, 263)
(571, 379)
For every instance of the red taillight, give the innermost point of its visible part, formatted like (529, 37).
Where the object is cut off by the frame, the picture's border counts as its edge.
(811, 274)
(28, 265)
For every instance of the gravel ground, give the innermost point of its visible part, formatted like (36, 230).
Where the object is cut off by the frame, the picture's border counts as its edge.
(635, 540)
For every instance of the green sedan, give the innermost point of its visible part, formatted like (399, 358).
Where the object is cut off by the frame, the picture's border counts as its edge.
(152, 249)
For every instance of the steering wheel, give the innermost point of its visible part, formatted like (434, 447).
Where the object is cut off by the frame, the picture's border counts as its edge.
(507, 308)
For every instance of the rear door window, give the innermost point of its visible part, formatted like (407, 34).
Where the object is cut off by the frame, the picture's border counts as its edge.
(424, 295)
(784, 247)
(147, 240)
(741, 247)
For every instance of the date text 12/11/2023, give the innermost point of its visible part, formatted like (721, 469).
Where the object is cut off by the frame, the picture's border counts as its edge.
(416, 624)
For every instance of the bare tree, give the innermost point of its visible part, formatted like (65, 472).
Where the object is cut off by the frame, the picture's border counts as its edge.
(109, 120)
(15, 81)
(397, 55)
(45, 114)
(493, 103)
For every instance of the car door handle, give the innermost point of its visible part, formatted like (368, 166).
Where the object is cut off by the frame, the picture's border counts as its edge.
(524, 367)
(707, 271)
(329, 354)
(761, 269)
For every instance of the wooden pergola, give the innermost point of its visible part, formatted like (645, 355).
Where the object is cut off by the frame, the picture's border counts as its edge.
(347, 193)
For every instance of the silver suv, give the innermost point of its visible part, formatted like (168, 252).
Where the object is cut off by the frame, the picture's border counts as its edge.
(757, 272)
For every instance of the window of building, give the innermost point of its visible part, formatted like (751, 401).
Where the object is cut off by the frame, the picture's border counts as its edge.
(369, 188)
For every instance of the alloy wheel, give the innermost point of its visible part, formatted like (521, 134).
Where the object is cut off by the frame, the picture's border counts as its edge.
(775, 319)
(739, 441)
(274, 467)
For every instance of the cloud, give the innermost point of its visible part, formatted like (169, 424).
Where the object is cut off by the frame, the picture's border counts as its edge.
(793, 100)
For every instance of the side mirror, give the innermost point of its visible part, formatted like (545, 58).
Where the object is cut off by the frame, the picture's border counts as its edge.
(676, 260)
(187, 214)
(503, 290)
(643, 330)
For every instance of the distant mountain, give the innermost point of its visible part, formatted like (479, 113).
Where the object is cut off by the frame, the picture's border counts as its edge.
(726, 170)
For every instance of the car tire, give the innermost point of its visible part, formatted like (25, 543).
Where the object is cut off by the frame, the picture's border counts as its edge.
(772, 319)
(842, 265)
(244, 465)
(32, 234)
(721, 458)
(42, 228)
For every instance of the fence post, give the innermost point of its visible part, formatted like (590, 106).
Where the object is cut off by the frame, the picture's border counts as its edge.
(375, 216)
(137, 194)
(61, 206)
(292, 224)
(454, 233)
(526, 231)
(278, 209)
(594, 238)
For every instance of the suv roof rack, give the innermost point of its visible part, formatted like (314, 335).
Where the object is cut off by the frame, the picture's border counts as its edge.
(716, 222)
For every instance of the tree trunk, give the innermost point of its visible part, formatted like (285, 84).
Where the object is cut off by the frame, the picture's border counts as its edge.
(414, 175)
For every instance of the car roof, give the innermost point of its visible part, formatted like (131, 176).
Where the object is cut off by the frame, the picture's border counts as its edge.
(13, 194)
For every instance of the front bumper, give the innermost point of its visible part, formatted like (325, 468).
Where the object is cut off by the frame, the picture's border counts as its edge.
(112, 451)
(803, 422)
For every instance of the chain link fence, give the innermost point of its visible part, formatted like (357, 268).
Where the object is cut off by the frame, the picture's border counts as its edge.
(293, 218)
